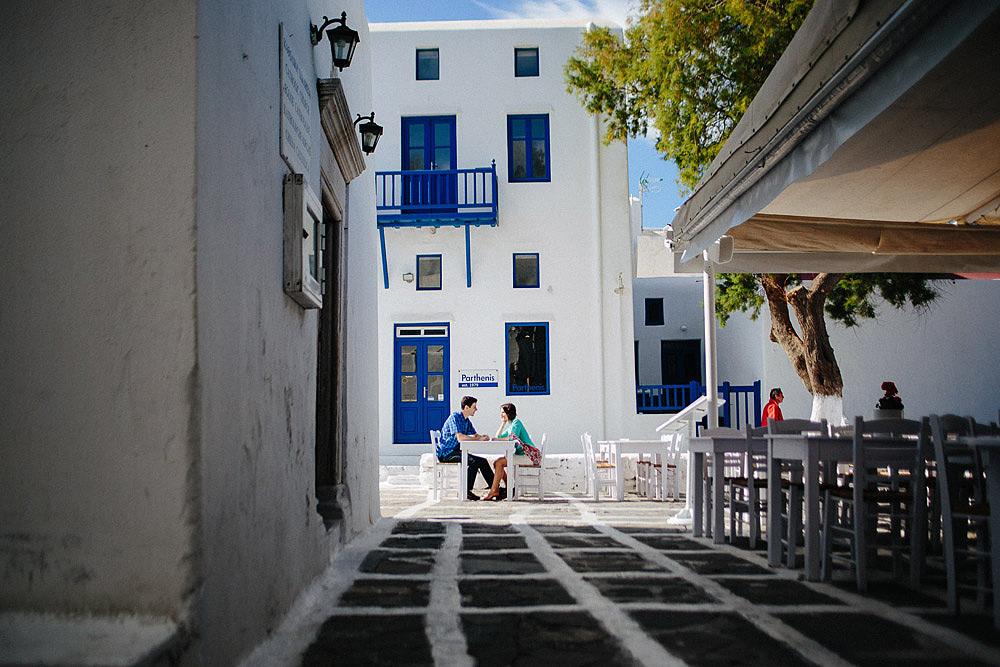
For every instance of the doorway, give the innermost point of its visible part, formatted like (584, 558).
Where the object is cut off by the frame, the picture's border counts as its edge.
(421, 366)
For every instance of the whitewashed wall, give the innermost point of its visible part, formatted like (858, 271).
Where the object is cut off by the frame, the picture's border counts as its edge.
(578, 224)
(159, 387)
(97, 307)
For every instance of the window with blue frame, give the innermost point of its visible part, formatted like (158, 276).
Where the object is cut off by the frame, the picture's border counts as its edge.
(526, 62)
(428, 65)
(527, 358)
(428, 272)
(654, 312)
(525, 269)
(528, 148)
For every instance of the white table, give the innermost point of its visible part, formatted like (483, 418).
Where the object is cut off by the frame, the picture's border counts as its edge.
(718, 446)
(989, 447)
(619, 447)
(810, 449)
(480, 447)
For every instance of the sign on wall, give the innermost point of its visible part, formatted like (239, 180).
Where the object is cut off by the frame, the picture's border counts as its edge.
(479, 378)
(298, 104)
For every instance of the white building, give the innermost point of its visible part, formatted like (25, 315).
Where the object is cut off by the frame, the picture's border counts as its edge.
(162, 455)
(535, 296)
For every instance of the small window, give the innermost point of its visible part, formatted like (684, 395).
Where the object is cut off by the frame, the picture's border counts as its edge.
(428, 271)
(525, 269)
(526, 62)
(528, 148)
(427, 65)
(654, 312)
(527, 358)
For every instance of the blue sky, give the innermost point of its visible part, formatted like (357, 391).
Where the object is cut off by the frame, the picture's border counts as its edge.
(664, 193)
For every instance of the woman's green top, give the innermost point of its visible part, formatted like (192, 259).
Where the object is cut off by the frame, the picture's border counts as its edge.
(517, 428)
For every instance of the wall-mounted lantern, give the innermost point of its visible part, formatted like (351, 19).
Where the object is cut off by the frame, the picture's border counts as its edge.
(343, 40)
(370, 132)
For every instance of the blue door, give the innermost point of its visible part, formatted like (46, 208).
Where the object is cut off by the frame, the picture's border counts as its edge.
(429, 146)
(421, 381)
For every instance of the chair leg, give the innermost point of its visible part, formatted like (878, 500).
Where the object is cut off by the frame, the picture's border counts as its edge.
(827, 557)
(794, 525)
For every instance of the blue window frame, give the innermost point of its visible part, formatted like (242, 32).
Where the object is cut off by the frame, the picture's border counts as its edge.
(428, 272)
(525, 269)
(528, 148)
(527, 358)
(428, 65)
(526, 62)
(654, 312)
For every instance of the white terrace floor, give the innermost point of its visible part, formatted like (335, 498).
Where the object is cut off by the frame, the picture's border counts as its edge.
(570, 581)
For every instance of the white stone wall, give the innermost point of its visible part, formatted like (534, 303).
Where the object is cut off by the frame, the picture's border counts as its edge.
(98, 357)
(159, 387)
(578, 223)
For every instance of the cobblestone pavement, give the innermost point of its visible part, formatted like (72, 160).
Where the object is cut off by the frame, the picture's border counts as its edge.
(571, 582)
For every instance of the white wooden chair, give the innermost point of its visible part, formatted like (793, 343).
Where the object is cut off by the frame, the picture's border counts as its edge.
(443, 473)
(529, 476)
(888, 479)
(649, 472)
(600, 473)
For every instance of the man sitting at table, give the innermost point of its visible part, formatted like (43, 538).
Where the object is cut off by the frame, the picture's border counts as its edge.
(771, 410)
(458, 428)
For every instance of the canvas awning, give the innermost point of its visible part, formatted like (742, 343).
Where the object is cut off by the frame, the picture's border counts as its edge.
(874, 145)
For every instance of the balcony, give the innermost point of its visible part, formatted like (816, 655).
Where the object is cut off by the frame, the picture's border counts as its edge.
(436, 198)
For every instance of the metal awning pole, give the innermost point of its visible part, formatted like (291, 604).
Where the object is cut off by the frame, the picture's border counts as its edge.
(711, 368)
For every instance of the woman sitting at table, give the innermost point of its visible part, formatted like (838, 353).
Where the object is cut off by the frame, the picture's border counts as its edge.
(525, 451)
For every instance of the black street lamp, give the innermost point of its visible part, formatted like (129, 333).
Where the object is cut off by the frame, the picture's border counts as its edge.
(343, 40)
(371, 132)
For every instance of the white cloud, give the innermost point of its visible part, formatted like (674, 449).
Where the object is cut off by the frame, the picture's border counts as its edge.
(614, 10)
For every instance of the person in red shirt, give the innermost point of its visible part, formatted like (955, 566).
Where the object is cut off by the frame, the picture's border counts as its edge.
(771, 410)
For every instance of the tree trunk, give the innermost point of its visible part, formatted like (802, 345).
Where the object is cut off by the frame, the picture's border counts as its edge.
(811, 354)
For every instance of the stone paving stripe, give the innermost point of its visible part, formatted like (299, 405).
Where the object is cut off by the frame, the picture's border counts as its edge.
(867, 639)
(615, 561)
(513, 592)
(361, 640)
(669, 542)
(487, 528)
(564, 528)
(500, 563)
(774, 591)
(710, 639)
(385, 592)
(718, 563)
(492, 542)
(391, 561)
(418, 528)
(552, 638)
(414, 542)
(629, 588)
(577, 541)
(443, 630)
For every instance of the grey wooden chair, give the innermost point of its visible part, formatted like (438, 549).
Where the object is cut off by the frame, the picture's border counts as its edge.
(888, 478)
(748, 492)
(792, 487)
(964, 512)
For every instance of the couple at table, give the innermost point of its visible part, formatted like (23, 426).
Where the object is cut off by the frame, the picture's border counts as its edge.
(458, 428)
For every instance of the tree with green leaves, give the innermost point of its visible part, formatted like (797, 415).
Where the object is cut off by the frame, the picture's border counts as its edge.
(688, 70)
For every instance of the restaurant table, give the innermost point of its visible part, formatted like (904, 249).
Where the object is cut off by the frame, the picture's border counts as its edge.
(989, 447)
(718, 446)
(501, 447)
(619, 447)
(809, 449)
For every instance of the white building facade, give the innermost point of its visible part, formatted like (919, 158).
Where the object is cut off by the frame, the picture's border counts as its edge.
(526, 297)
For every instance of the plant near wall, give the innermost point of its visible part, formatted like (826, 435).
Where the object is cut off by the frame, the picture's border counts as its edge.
(688, 70)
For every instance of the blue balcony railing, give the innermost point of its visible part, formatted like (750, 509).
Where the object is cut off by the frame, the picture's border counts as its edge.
(742, 404)
(436, 196)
